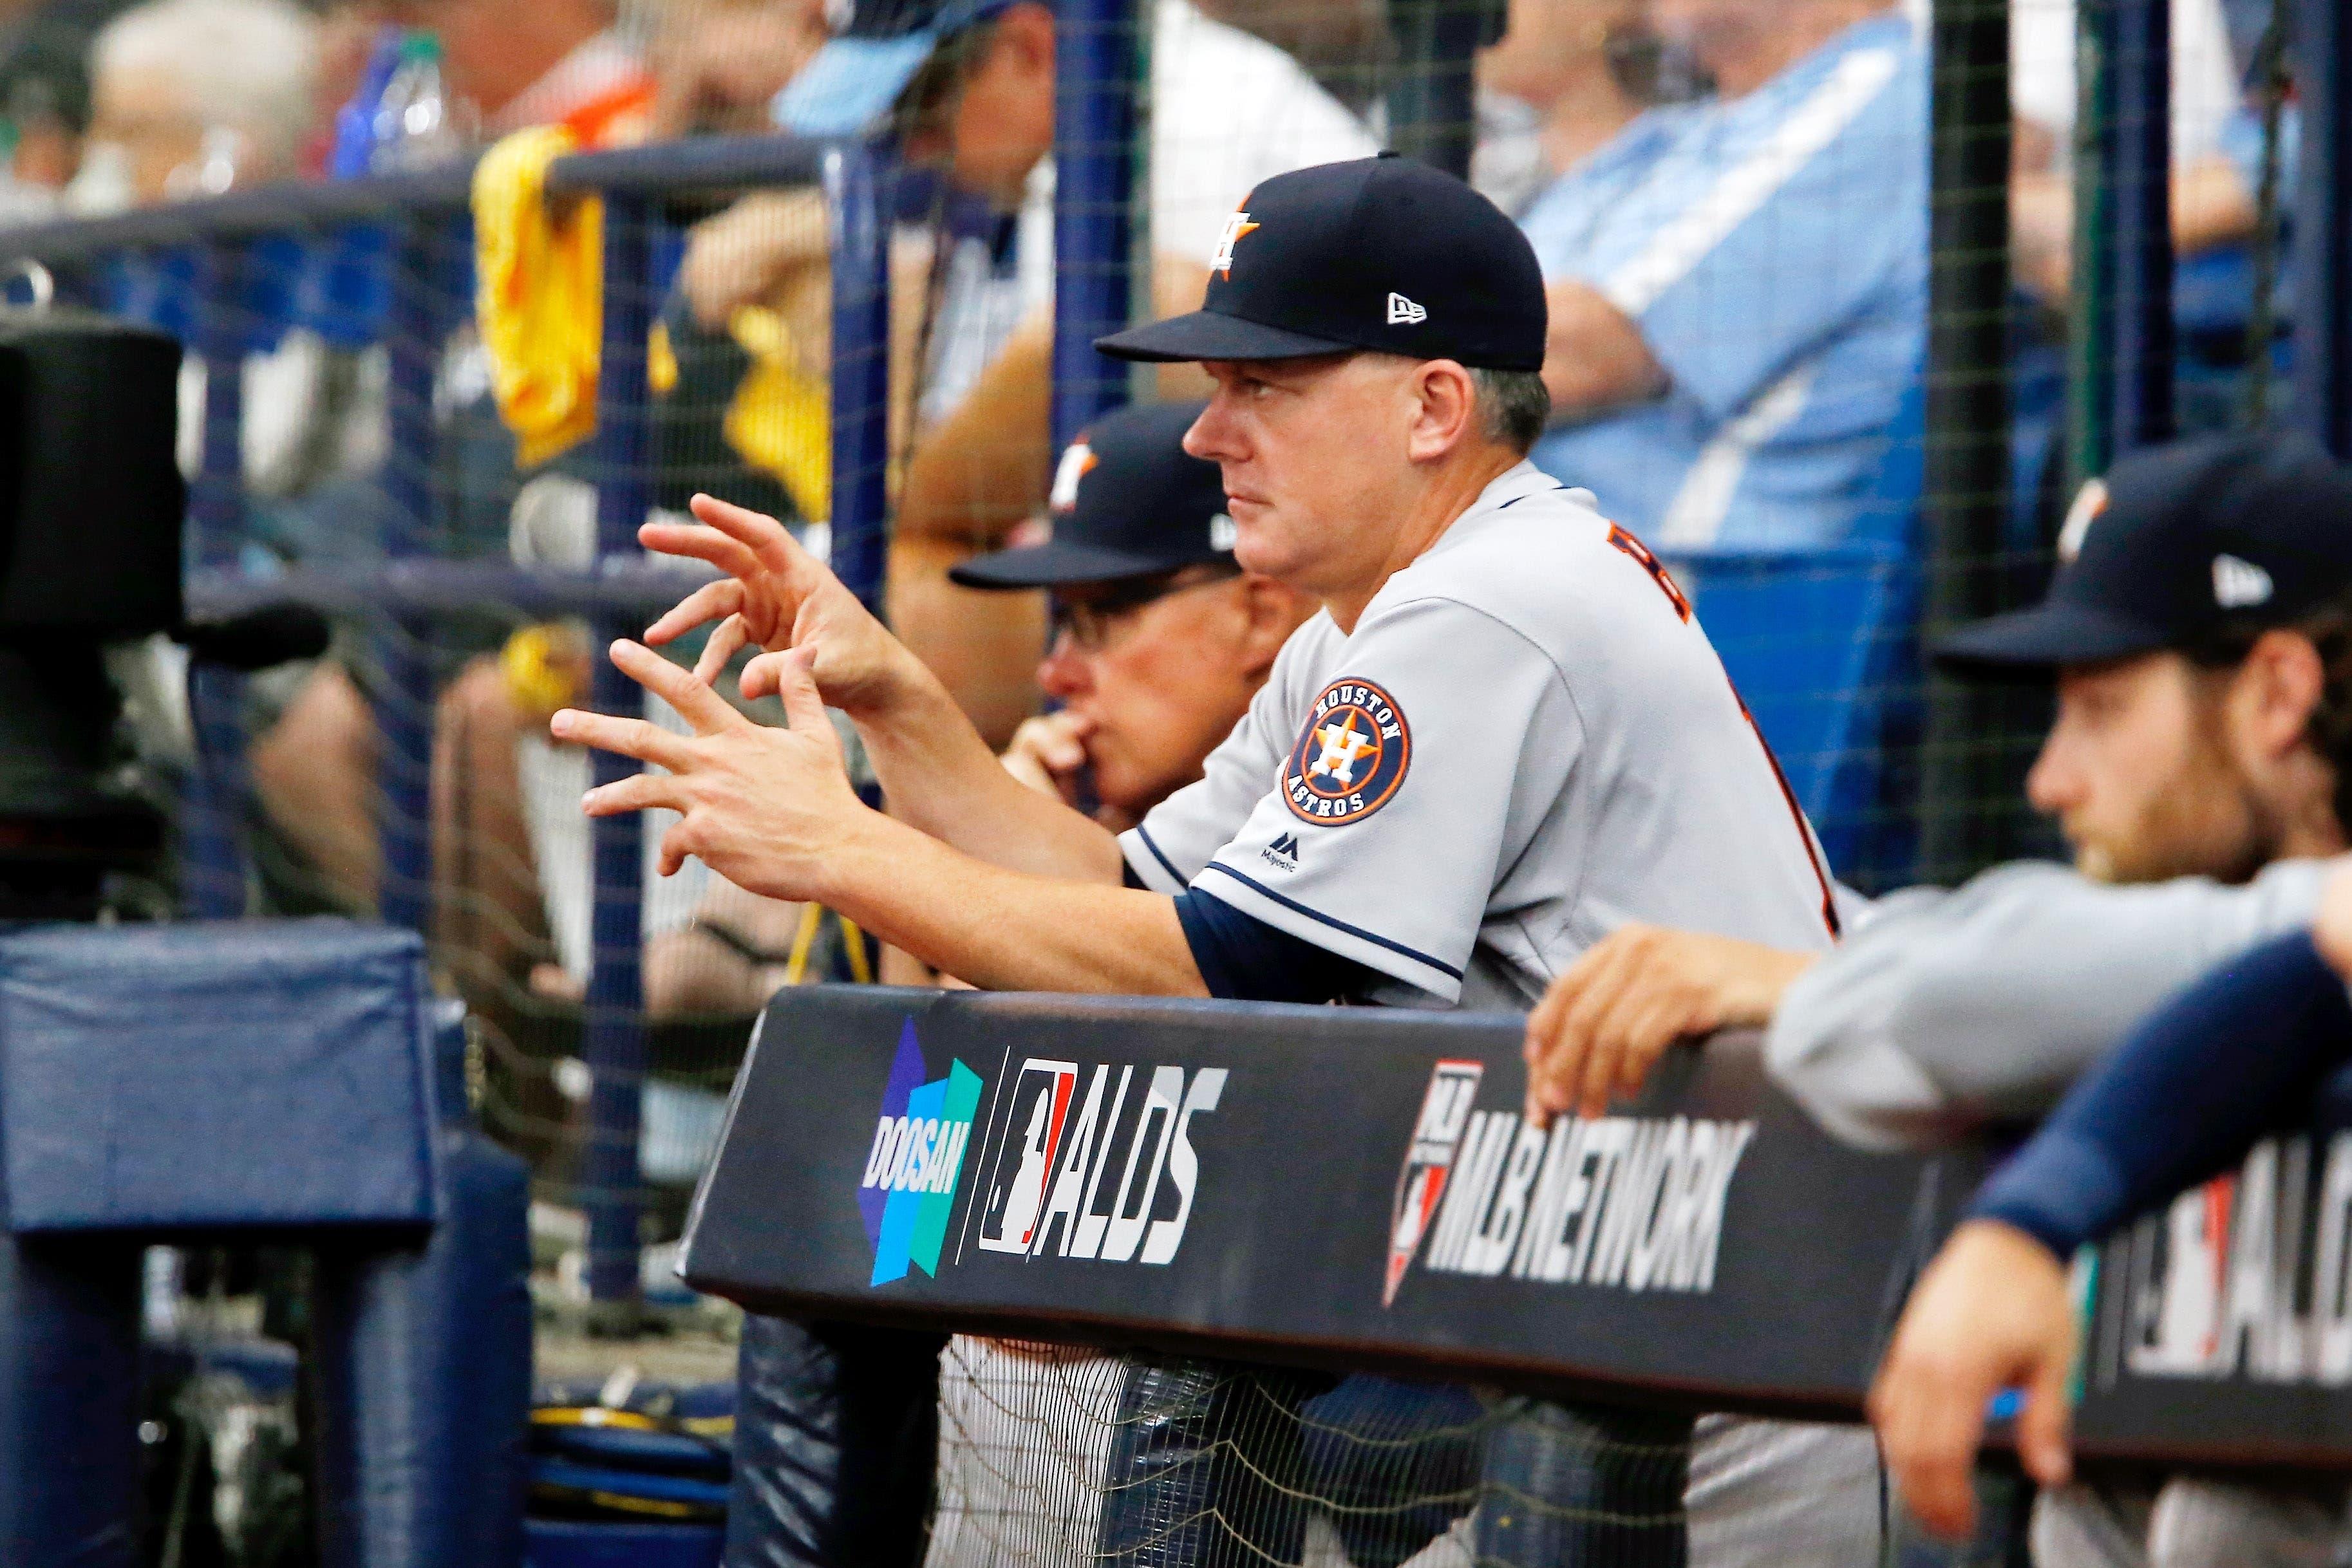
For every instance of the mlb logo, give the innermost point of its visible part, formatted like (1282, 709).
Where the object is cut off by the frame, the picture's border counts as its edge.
(1014, 1195)
(1437, 1134)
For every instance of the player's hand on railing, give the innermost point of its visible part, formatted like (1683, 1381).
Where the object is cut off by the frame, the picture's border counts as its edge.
(1991, 1312)
(762, 806)
(1048, 754)
(1605, 1023)
(777, 596)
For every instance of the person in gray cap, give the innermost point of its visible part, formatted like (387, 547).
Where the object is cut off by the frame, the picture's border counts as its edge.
(2199, 635)
(1502, 734)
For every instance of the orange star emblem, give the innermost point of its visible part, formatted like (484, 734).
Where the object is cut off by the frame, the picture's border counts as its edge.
(1236, 228)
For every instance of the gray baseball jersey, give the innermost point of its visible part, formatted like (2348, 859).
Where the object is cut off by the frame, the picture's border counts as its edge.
(1526, 742)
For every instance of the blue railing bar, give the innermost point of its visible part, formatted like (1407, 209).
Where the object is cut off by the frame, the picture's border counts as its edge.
(700, 164)
(636, 591)
(405, 714)
(696, 164)
(213, 804)
(272, 209)
(614, 1045)
(1094, 189)
(2322, 57)
(2137, 39)
(860, 238)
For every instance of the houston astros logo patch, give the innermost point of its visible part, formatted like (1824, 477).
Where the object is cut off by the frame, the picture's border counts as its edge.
(1350, 759)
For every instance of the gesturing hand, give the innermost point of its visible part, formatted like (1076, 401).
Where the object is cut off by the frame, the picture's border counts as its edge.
(1608, 1019)
(762, 807)
(777, 595)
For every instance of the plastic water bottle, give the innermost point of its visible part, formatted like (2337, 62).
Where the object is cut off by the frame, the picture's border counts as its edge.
(412, 127)
(354, 150)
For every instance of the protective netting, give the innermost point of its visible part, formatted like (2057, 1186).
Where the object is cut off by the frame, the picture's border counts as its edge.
(1057, 1455)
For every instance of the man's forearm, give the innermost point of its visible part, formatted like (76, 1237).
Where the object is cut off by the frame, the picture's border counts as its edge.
(1008, 930)
(1946, 1008)
(1594, 355)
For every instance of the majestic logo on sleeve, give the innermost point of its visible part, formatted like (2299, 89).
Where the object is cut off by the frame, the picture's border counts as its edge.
(911, 1168)
(1237, 229)
(1350, 759)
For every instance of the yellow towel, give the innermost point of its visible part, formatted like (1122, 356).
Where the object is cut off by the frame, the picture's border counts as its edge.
(540, 295)
(777, 419)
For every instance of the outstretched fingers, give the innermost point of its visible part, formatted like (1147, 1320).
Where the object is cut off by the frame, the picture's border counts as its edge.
(708, 602)
(624, 736)
(725, 639)
(768, 540)
(638, 792)
(699, 705)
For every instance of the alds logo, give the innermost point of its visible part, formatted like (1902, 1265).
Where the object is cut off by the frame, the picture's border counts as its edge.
(1079, 1177)
(917, 1155)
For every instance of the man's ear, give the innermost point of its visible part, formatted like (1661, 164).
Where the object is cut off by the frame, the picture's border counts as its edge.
(2279, 688)
(1446, 412)
(1027, 28)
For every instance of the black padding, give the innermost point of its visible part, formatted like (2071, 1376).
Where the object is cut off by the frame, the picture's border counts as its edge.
(91, 501)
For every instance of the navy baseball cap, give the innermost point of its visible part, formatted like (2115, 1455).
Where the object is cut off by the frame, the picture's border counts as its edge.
(1385, 253)
(2174, 542)
(1129, 501)
(876, 47)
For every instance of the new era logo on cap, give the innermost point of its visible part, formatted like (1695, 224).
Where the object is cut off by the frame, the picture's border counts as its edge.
(2238, 585)
(1404, 312)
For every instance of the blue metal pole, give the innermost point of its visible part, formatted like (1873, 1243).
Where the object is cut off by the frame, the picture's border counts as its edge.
(404, 715)
(2322, 269)
(859, 224)
(616, 1046)
(1095, 125)
(213, 856)
(2131, 41)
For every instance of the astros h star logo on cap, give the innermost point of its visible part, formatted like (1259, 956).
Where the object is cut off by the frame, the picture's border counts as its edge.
(1236, 226)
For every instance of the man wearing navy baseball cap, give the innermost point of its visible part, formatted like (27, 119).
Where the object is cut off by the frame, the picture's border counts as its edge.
(1502, 734)
(2183, 608)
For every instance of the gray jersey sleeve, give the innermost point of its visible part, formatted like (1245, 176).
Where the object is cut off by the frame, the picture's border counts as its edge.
(1177, 837)
(1417, 771)
(1945, 1009)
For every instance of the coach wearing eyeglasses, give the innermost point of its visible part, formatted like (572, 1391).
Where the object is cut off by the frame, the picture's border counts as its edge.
(1160, 637)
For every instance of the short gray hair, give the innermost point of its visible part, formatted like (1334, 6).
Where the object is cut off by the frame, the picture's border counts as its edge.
(247, 64)
(1514, 406)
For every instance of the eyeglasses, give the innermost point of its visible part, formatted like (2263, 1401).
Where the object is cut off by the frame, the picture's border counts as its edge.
(1093, 623)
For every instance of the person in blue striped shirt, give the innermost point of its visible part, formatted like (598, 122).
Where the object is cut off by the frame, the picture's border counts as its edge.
(1739, 284)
